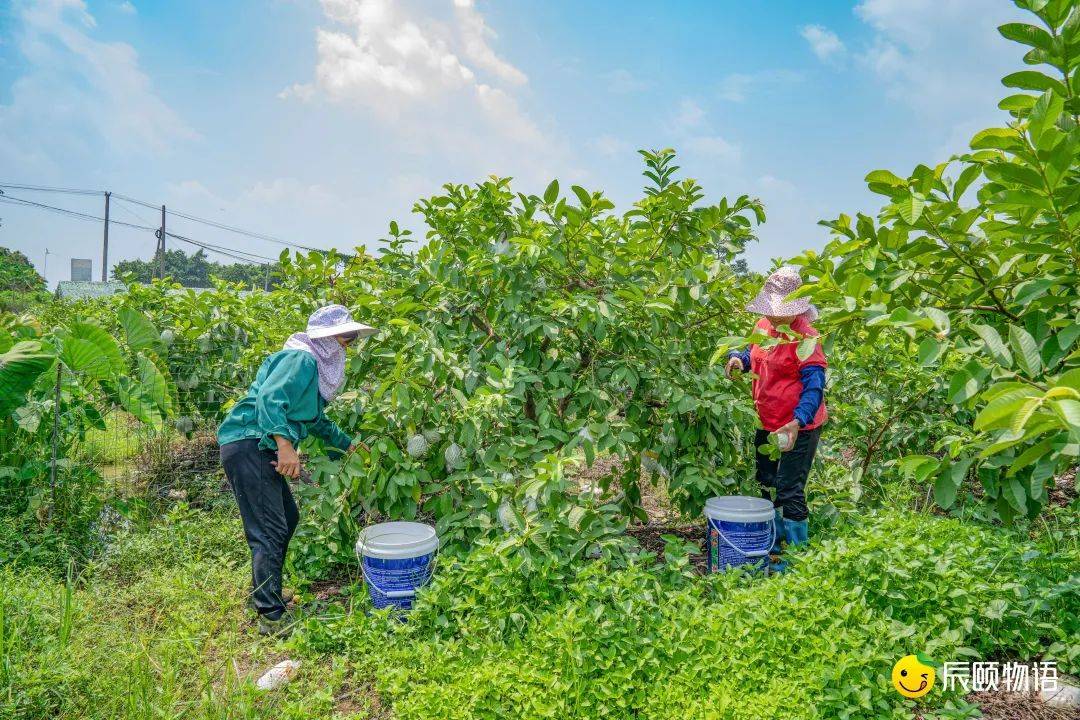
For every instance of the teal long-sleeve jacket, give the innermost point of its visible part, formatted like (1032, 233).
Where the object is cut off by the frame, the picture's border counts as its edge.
(284, 400)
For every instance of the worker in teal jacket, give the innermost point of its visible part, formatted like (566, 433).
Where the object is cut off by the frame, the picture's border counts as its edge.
(260, 435)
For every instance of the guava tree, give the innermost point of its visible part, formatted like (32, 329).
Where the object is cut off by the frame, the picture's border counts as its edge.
(973, 264)
(528, 329)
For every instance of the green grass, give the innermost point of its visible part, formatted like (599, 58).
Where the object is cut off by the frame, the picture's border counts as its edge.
(157, 628)
(121, 440)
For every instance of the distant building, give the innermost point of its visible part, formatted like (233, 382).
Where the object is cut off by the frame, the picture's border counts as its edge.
(81, 269)
(78, 290)
(72, 290)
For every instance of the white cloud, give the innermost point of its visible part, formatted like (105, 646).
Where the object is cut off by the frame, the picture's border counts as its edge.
(79, 95)
(942, 58)
(689, 116)
(609, 145)
(713, 146)
(127, 7)
(823, 42)
(395, 61)
(475, 32)
(623, 82)
(693, 132)
(736, 87)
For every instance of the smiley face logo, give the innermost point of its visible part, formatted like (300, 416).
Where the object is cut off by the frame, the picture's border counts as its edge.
(912, 678)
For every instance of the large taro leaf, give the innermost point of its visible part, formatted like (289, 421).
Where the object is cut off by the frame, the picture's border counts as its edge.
(141, 333)
(133, 399)
(20, 366)
(91, 350)
(156, 386)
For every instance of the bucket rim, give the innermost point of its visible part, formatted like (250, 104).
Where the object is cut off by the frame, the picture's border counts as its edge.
(739, 508)
(411, 539)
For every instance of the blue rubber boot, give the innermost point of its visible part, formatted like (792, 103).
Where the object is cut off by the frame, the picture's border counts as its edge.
(778, 522)
(776, 563)
(796, 531)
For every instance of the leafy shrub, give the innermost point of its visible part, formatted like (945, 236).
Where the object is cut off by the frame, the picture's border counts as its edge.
(604, 640)
(982, 291)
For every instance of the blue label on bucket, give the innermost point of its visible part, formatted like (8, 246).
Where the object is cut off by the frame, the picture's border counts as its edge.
(754, 537)
(396, 575)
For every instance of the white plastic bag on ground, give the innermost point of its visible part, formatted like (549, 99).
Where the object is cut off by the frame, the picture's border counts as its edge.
(278, 675)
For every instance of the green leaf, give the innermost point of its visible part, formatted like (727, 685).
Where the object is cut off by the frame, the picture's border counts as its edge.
(806, 347)
(967, 176)
(133, 400)
(1015, 494)
(1028, 35)
(1069, 412)
(1025, 350)
(153, 385)
(910, 208)
(965, 383)
(999, 412)
(140, 332)
(1033, 80)
(929, 351)
(1023, 414)
(582, 195)
(995, 139)
(949, 480)
(83, 357)
(944, 491)
(940, 318)
(20, 367)
(551, 194)
(994, 344)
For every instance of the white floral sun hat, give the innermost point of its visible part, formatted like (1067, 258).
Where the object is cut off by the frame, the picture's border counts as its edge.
(772, 300)
(335, 320)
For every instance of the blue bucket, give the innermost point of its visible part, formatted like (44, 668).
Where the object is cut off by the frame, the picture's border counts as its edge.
(740, 531)
(397, 559)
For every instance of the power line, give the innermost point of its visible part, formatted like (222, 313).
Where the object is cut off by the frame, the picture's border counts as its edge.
(228, 252)
(72, 213)
(46, 188)
(152, 206)
(220, 225)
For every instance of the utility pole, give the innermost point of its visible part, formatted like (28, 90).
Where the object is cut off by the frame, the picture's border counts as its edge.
(105, 242)
(161, 262)
(45, 265)
(266, 281)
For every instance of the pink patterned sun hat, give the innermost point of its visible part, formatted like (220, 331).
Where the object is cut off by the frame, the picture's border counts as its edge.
(772, 298)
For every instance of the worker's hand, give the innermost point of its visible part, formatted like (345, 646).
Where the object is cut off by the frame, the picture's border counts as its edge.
(288, 462)
(790, 430)
(734, 365)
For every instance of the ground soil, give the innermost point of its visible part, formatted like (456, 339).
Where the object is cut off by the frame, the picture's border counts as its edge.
(1019, 706)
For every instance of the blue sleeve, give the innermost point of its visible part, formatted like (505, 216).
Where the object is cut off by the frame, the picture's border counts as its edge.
(743, 355)
(813, 391)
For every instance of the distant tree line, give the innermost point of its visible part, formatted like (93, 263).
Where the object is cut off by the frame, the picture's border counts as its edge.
(20, 284)
(196, 270)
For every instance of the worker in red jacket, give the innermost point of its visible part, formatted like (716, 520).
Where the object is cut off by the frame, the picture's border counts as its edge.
(789, 394)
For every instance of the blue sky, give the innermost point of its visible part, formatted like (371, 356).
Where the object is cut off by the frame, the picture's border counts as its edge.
(319, 122)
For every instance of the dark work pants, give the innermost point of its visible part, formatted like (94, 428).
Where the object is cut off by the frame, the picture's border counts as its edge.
(270, 518)
(787, 476)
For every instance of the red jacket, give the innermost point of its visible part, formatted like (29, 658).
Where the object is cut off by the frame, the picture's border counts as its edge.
(778, 385)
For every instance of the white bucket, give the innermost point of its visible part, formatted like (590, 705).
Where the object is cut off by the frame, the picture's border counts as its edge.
(739, 508)
(741, 531)
(397, 540)
(397, 559)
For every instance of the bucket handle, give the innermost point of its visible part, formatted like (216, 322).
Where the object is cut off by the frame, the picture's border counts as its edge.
(750, 553)
(396, 594)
